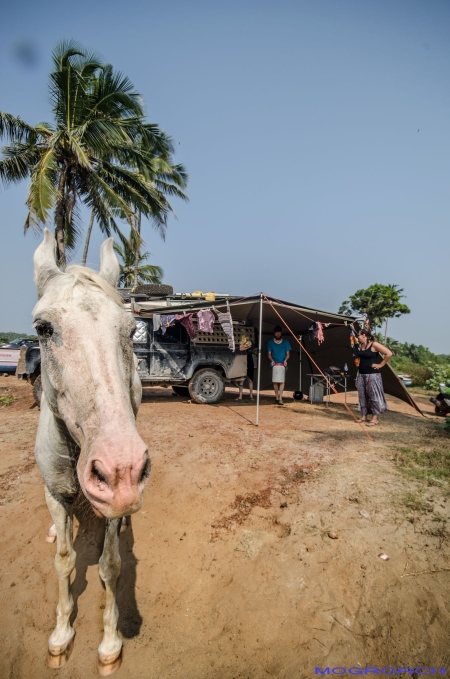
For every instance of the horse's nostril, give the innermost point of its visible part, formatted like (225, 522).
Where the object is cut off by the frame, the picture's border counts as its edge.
(98, 475)
(145, 472)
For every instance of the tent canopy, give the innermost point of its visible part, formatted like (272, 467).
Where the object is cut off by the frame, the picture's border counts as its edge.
(335, 350)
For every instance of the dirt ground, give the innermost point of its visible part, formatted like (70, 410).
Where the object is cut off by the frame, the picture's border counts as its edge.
(256, 553)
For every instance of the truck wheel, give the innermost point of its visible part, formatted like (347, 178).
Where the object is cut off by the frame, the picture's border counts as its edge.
(206, 386)
(155, 290)
(37, 390)
(181, 391)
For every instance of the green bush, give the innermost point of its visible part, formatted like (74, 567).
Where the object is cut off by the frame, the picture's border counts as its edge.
(420, 373)
(439, 372)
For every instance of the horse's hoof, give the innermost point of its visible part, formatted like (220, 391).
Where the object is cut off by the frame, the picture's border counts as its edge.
(59, 655)
(51, 535)
(107, 664)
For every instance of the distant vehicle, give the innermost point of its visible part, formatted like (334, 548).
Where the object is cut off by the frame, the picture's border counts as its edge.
(17, 343)
(10, 353)
(406, 379)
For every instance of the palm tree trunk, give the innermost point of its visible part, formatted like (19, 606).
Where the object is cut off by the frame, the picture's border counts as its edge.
(385, 331)
(88, 238)
(59, 223)
(138, 248)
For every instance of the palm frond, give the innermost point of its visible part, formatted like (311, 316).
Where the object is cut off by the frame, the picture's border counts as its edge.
(64, 51)
(14, 128)
(43, 190)
(18, 161)
(115, 96)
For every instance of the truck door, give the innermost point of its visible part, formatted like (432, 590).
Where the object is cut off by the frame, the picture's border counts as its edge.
(169, 353)
(141, 349)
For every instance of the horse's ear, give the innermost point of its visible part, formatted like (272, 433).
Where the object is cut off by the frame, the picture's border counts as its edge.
(44, 262)
(109, 265)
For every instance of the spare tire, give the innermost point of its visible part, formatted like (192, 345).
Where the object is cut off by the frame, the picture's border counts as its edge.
(155, 290)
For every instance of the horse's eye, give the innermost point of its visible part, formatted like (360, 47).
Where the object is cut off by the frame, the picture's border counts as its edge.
(44, 330)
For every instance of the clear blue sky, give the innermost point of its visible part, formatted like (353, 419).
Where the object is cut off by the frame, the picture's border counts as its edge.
(316, 135)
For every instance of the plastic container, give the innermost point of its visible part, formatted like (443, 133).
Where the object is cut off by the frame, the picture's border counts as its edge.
(316, 392)
(278, 373)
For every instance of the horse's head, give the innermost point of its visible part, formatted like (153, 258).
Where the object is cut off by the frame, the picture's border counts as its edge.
(89, 376)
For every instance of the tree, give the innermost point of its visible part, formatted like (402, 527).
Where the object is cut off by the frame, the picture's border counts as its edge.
(91, 153)
(378, 302)
(146, 273)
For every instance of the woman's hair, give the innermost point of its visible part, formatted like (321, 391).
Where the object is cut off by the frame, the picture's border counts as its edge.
(368, 334)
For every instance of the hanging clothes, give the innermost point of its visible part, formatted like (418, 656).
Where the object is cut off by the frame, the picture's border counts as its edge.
(156, 322)
(166, 321)
(226, 322)
(205, 320)
(186, 321)
(319, 333)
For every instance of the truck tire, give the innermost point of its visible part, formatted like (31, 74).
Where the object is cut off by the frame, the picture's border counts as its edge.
(206, 386)
(37, 390)
(155, 290)
(181, 391)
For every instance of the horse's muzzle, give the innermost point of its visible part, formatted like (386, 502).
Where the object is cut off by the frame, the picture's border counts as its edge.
(114, 484)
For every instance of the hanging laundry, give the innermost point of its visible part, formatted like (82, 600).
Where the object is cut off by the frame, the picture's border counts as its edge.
(156, 322)
(205, 320)
(186, 321)
(319, 333)
(166, 321)
(226, 322)
(315, 331)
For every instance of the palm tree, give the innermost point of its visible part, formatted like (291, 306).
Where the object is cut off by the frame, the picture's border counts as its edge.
(90, 154)
(146, 273)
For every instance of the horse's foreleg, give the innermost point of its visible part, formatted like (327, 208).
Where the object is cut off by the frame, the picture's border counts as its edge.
(60, 642)
(110, 649)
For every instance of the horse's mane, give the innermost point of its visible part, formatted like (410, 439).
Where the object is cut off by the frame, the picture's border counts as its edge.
(87, 277)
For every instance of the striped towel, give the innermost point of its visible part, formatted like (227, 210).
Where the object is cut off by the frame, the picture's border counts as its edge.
(226, 322)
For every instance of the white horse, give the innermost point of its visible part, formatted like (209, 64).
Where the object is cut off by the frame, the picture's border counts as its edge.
(87, 436)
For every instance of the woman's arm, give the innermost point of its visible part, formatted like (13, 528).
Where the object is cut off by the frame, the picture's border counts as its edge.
(387, 353)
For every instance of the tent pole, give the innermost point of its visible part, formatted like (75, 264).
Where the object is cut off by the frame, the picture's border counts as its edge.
(259, 359)
(300, 358)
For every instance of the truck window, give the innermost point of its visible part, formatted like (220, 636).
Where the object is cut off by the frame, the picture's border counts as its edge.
(176, 334)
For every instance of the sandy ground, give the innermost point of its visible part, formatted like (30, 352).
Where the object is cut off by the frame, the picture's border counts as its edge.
(229, 570)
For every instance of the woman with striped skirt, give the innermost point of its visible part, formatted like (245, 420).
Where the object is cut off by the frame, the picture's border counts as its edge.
(369, 382)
